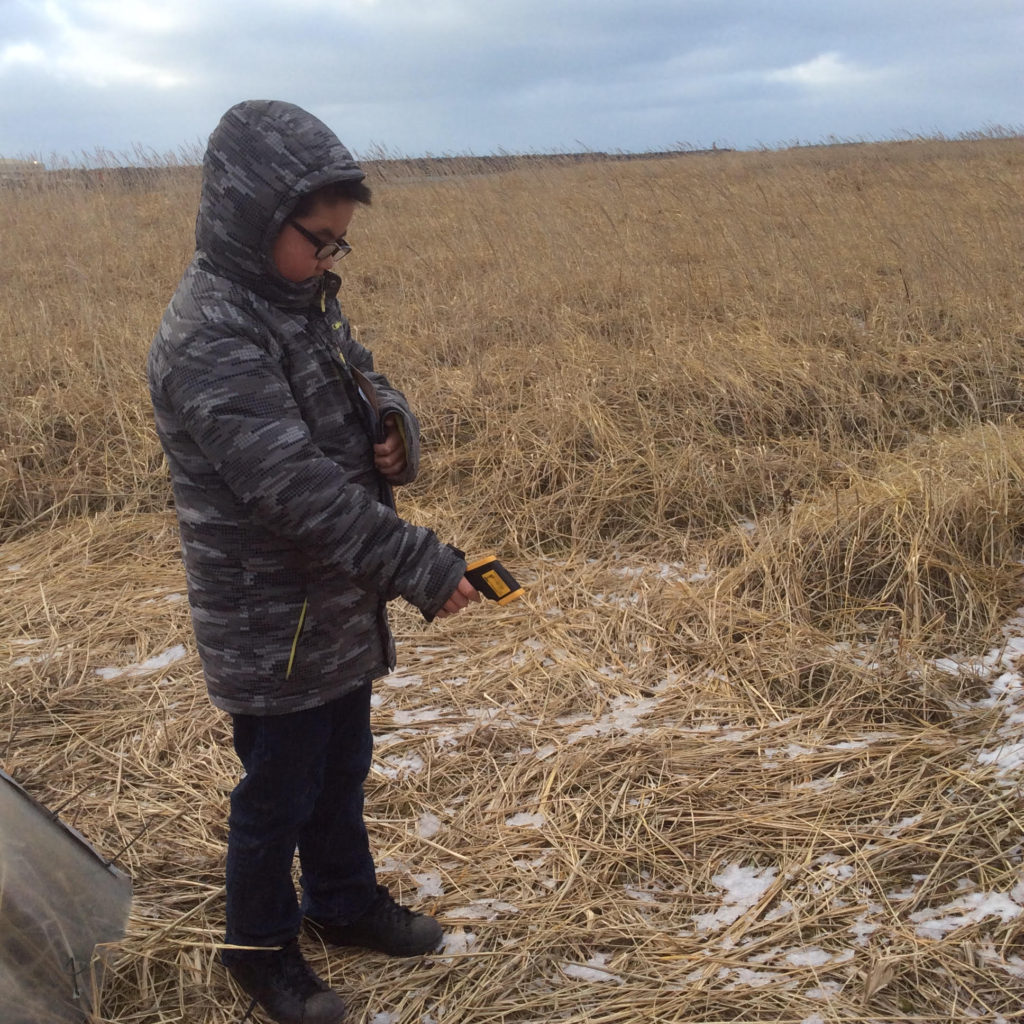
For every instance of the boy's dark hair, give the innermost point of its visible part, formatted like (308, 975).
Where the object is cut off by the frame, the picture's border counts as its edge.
(336, 191)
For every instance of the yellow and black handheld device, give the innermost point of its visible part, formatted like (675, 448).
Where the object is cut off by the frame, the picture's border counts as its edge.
(493, 580)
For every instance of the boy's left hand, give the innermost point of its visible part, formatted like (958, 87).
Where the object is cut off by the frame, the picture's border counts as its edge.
(389, 455)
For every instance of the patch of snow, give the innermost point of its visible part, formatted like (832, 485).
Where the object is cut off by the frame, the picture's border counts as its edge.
(742, 887)
(902, 825)
(407, 716)
(525, 820)
(791, 750)
(482, 910)
(428, 826)
(641, 895)
(623, 717)
(593, 970)
(861, 929)
(157, 662)
(936, 922)
(821, 784)
(665, 571)
(397, 767)
(745, 976)
(457, 941)
(1008, 759)
(398, 680)
(735, 736)
(784, 909)
(826, 990)
(522, 864)
(810, 957)
(429, 885)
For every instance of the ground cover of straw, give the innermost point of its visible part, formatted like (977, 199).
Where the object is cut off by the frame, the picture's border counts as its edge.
(750, 429)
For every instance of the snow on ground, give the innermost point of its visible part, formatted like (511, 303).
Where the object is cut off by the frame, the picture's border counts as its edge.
(456, 941)
(525, 820)
(428, 825)
(430, 886)
(593, 970)
(936, 923)
(154, 664)
(481, 910)
(742, 886)
(26, 643)
(739, 887)
(1001, 668)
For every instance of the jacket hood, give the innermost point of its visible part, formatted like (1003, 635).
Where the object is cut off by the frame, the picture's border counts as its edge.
(261, 157)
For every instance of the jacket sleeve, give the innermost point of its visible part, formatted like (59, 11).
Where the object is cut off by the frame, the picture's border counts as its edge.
(391, 400)
(234, 401)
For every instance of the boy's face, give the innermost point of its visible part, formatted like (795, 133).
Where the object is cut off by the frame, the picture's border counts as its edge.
(294, 254)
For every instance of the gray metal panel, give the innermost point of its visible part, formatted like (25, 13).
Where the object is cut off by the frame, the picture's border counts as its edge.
(58, 899)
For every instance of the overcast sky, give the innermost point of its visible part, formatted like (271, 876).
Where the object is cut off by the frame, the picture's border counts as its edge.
(481, 76)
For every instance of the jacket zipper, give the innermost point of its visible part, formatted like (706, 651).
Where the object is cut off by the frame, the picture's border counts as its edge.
(295, 639)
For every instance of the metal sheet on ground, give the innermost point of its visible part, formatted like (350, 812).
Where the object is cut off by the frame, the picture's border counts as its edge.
(58, 899)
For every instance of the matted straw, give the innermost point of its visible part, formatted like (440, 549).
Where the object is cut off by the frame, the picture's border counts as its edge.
(748, 748)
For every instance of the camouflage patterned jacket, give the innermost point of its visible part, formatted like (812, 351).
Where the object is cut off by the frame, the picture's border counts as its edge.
(289, 537)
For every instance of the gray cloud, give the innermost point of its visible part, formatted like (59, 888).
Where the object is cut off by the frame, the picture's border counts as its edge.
(522, 75)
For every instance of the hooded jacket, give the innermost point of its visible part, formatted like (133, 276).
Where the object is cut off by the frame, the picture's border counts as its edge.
(289, 536)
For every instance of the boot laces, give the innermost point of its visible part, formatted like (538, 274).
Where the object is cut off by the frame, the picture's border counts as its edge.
(295, 973)
(386, 907)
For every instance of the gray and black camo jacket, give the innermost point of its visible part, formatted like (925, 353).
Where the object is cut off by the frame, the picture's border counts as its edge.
(290, 539)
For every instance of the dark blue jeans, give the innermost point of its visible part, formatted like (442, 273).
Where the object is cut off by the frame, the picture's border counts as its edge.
(302, 789)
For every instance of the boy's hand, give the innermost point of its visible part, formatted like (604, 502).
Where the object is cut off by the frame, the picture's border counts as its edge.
(389, 455)
(464, 593)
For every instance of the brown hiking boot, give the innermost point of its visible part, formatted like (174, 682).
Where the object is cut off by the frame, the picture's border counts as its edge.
(386, 927)
(285, 986)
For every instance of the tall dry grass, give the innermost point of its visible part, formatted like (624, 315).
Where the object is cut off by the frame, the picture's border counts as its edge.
(749, 425)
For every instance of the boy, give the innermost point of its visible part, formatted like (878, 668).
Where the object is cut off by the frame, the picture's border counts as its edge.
(283, 444)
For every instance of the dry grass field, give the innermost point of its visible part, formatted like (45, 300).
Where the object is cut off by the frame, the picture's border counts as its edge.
(750, 429)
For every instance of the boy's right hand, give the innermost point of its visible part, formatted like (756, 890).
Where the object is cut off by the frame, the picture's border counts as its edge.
(461, 597)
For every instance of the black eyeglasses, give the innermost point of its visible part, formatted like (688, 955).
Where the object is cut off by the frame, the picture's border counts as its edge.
(324, 250)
